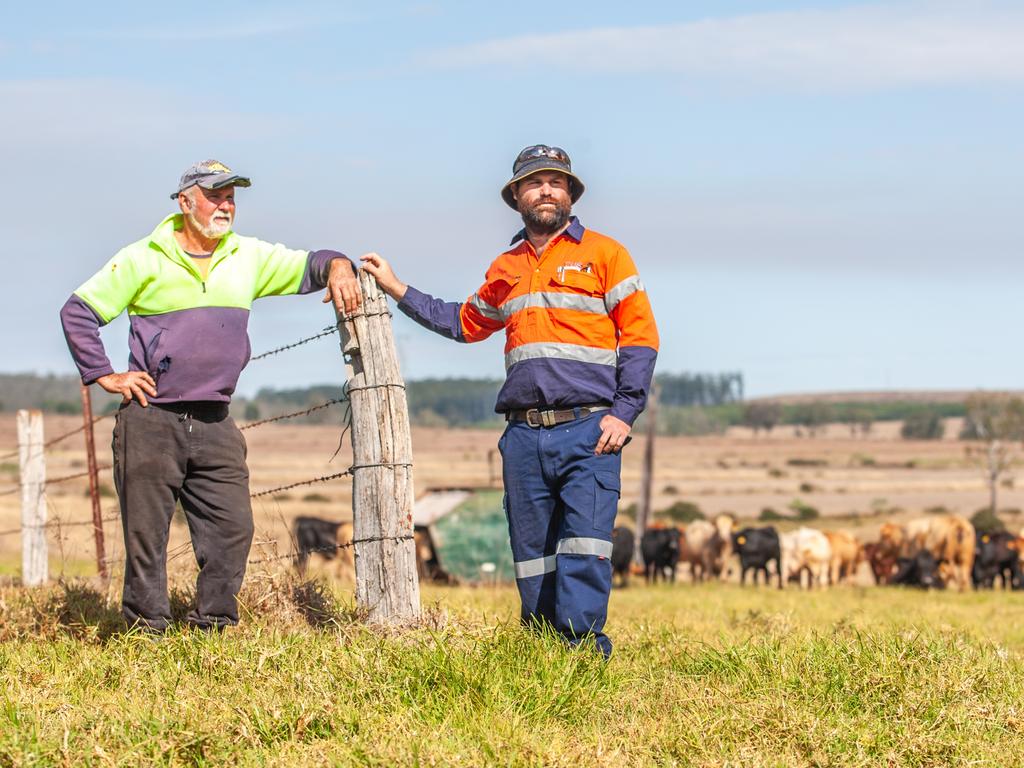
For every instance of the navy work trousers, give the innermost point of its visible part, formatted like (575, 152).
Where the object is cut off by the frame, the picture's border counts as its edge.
(195, 455)
(561, 500)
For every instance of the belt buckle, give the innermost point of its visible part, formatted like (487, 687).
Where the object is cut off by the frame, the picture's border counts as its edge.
(537, 418)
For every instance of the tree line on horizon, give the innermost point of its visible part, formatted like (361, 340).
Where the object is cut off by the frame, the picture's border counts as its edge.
(688, 404)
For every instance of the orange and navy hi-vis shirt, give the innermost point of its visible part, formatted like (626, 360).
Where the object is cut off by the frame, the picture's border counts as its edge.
(578, 324)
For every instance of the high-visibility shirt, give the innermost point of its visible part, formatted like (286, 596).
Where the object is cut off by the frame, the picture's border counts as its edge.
(189, 332)
(578, 324)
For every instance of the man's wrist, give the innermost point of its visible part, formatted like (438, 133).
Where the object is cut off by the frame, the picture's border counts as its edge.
(341, 259)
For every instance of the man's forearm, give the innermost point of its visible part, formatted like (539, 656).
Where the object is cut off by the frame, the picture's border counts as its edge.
(633, 381)
(441, 317)
(318, 269)
(82, 332)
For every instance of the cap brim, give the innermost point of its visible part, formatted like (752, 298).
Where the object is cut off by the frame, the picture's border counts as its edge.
(576, 187)
(218, 182)
(224, 180)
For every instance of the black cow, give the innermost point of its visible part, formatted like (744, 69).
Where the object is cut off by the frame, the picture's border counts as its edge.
(316, 536)
(921, 570)
(622, 553)
(994, 557)
(660, 548)
(756, 548)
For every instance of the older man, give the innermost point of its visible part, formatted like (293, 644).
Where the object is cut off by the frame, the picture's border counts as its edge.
(188, 288)
(579, 354)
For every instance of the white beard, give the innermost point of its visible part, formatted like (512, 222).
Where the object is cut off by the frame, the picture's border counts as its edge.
(215, 230)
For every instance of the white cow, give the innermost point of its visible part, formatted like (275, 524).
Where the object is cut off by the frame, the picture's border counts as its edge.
(806, 549)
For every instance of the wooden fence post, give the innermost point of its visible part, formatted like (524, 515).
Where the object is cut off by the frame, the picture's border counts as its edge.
(643, 511)
(32, 460)
(94, 482)
(387, 585)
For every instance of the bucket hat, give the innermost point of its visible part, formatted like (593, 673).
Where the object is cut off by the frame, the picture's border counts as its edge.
(541, 157)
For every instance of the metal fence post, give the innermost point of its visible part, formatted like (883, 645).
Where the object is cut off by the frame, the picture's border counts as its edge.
(94, 482)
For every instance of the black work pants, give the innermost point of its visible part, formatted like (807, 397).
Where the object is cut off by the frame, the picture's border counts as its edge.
(192, 453)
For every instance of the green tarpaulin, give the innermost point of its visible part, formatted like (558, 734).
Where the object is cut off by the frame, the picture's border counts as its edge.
(472, 535)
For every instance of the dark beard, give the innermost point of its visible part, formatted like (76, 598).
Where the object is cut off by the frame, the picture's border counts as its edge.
(545, 222)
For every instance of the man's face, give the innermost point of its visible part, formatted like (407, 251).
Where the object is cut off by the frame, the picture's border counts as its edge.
(544, 200)
(210, 211)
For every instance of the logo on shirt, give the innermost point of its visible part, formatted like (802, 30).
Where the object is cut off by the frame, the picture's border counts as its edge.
(574, 266)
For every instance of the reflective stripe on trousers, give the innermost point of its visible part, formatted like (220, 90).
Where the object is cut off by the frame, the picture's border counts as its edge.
(561, 501)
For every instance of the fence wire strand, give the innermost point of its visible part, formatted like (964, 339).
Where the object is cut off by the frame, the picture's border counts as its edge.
(293, 415)
(326, 478)
(328, 548)
(58, 523)
(182, 549)
(328, 331)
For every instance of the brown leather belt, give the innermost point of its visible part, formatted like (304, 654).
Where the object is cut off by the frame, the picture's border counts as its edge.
(536, 418)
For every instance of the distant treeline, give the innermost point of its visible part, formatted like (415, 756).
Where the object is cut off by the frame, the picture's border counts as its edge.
(689, 404)
(923, 417)
(455, 402)
(56, 394)
(705, 389)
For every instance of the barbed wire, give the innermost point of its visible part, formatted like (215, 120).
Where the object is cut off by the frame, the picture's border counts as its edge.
(77, 475)
(53, 441)
(66, 435)
(57, 480)
(326, 478)
(294, 415)
(328, 331)
(326, 548)
(315, 480)
(60, 524)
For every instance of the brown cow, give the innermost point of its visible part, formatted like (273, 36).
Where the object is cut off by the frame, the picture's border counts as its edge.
(846, 556)
(700, 546)
(882, 562)
(949, 538)
(329, 539)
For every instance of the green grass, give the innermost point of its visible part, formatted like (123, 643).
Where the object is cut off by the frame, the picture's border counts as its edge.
(709, 675)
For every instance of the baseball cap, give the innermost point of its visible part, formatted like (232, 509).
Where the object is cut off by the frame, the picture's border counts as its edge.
(210, 174)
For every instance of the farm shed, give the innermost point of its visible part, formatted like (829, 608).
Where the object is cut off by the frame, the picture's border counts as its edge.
(468, 532)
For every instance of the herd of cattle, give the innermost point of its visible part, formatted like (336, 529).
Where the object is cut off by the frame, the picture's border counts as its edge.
(931, 552)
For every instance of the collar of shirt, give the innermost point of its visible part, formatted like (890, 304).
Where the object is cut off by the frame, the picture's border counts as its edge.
(574, 230)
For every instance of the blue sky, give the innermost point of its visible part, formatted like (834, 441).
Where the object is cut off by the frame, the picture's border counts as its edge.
(821, 195)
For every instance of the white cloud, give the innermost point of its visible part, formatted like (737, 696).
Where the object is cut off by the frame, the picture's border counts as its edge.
(864, 46)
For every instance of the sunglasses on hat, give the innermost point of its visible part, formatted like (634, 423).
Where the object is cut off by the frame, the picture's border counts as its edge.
(542, 150)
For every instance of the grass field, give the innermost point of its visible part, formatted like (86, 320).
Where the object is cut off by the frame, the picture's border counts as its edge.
(710, 675)
(707, 675)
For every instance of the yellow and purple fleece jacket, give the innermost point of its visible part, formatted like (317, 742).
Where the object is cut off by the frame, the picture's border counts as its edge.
(190, 334)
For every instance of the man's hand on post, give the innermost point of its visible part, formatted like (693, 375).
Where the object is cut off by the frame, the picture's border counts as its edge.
(133, 384)
(614, 433)
(384, 276)
(343, 287)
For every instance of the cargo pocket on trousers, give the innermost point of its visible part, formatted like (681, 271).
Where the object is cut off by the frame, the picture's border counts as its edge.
(607, 487)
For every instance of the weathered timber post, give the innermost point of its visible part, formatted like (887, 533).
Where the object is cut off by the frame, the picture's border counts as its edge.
(32, 460)
(387, 585)
(643, 511)
(94, 482)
